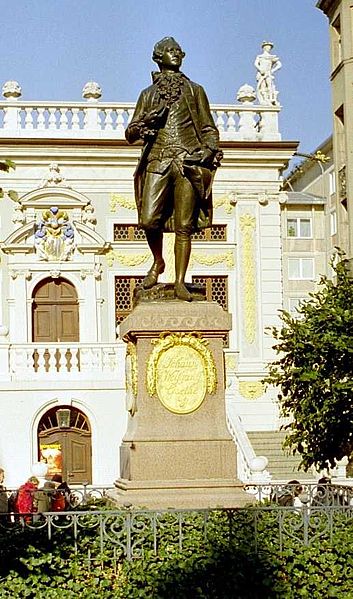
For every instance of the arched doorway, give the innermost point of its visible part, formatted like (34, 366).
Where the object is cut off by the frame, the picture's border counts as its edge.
(64, 442)
(55, 316)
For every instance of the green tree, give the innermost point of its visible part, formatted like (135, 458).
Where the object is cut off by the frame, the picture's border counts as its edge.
(314, 371)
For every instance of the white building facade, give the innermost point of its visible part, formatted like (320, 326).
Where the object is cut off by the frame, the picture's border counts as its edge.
(71, 255)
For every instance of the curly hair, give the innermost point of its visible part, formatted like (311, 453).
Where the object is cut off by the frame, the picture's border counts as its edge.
(159, 47)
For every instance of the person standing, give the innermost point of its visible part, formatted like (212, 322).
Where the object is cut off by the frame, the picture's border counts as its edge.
(26, 498)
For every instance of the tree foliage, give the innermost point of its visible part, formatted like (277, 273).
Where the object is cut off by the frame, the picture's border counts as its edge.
(314, 371)
(230, 562)
(6, 166)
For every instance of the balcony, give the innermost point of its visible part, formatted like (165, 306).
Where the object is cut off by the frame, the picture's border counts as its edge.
(100, 120)
(62, 361)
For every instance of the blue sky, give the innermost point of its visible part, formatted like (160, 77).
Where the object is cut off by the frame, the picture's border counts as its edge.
(53, 47)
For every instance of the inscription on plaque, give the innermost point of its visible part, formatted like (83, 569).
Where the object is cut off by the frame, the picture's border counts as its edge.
(180, 371)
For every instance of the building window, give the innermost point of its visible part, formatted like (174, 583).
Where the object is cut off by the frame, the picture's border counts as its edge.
(299, 227)
(128, 232)
(332, 182)
(300, 268)
(214, 233)
(333, 223)
(124, 289)
(216, 291)
(124, 232)
(294, 304)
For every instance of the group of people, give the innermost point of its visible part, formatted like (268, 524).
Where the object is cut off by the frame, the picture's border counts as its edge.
(325, 494)
(30, 498)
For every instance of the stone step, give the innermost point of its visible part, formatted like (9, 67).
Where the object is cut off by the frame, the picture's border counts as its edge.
(280, 465)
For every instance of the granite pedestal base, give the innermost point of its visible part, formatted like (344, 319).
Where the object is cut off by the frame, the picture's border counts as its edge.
(171, 459)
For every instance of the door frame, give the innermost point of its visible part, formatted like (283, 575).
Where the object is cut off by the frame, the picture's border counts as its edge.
(63, 434)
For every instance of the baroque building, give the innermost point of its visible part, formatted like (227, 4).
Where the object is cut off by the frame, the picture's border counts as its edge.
(72, 254)
(340, 13)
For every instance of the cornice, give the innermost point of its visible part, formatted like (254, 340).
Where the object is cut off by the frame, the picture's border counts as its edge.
(328, 6)
(121, 143)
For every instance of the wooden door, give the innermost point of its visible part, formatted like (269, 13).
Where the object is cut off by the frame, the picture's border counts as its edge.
(67, 453)
(78, 457)
(55, 312)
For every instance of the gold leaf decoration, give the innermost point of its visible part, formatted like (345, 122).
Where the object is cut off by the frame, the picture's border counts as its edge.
(116, 200)
(247, 227)
(251, 389)
(226, 258)
(180, 369)
(126, 259)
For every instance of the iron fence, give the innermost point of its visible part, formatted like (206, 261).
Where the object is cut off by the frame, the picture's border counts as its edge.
(129, 533)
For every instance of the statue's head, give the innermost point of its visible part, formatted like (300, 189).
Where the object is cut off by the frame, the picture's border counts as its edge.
(168, 54)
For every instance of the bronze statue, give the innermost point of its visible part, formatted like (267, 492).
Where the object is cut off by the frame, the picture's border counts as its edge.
(174, 176)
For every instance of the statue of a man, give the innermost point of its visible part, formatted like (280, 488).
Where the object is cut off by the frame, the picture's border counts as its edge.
(180, 154)
(267, 64)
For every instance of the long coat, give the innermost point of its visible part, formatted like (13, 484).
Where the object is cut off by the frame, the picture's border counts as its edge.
(206, 133)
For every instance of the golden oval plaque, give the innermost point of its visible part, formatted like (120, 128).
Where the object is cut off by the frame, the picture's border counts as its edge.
(180, 371)
(181, 379)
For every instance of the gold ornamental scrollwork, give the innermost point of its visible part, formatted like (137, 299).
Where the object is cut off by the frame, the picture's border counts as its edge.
(180, 371)
(251, 389)
(126, 259)
(247, 227)
(211, 259)
(116, 199)
(227, 202)
(131, 378)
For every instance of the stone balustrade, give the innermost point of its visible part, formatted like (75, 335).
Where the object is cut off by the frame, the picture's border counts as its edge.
(245, 121)
(42, 361)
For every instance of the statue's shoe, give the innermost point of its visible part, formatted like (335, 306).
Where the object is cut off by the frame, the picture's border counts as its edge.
(151, 278)
(182, 293)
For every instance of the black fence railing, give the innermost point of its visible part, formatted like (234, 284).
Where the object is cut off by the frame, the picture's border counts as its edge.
(130, 533)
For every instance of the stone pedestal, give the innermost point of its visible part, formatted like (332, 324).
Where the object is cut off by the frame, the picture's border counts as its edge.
(177, 451)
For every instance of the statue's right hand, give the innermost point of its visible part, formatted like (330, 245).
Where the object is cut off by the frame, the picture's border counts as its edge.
(155, 117)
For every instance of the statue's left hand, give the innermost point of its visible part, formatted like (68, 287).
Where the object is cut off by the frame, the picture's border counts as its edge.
(206, 157)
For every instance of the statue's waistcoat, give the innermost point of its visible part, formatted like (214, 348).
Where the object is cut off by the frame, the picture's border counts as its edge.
(176, 137)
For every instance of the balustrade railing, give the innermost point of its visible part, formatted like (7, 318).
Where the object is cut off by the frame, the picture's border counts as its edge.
(92, 360)
(246, 455)
(109, 120)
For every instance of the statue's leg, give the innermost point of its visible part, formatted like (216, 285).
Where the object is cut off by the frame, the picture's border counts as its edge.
(184, 209)
(182, 250)
(155, 242)
(154, 194)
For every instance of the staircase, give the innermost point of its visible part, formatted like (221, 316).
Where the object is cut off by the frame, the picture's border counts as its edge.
(281, 466)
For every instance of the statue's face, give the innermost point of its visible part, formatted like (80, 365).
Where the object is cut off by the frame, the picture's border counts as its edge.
(172, 57)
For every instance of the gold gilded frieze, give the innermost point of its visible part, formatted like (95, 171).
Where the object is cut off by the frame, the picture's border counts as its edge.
(251, 389)
(180, 371)
(126, 259)
(116, 199)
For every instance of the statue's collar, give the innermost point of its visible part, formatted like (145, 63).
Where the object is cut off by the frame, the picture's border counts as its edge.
(160, 75)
